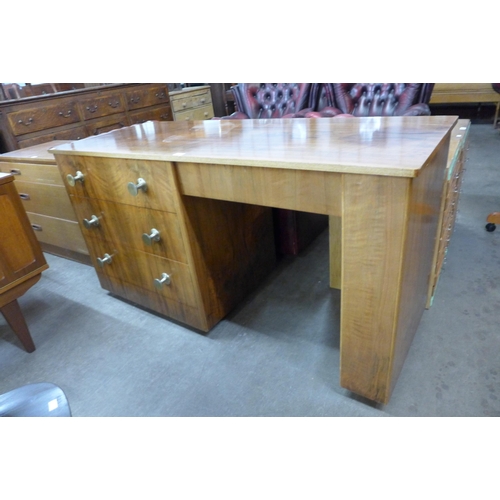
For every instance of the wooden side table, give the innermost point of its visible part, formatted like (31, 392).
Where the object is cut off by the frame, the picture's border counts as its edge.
(21, 258)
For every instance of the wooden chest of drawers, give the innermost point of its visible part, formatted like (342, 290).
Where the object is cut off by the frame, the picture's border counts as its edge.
(75, 114)
(457, 157)
(191, 261)
(45, 200)
(192, 103)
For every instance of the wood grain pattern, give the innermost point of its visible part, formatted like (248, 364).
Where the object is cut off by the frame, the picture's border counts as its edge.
(374, 146)
(21, 258)
(380, 181)
(108, 178)
(232, 247)
(127, 224)
(315, 192)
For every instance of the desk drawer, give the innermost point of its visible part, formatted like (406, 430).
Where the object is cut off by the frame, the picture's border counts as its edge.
(142, 269)
(109, 178)
(35, 119)
(70, 134)
(147, 97)
(31, 172)
(204, 113)
(107, 124)
(162, 113)
(127, 225)
(96, 107)
(60, 233)
(45, 199)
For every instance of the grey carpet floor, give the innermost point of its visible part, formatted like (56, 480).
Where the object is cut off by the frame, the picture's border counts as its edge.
(277, 354)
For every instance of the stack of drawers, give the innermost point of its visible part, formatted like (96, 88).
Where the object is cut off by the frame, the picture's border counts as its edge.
(190, 260)
(45, 200)
(192, 103)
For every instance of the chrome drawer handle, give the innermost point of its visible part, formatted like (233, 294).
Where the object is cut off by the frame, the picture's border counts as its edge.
(73, 179)
(67, 115)
(165, 280)
(15, 171)
(134, 189)
(107, 259)
(91, 109)
(36, 227)
(161, 95)
(24, 196)
(29, 122)
(92, 222)
(149, 239)
(114, 104)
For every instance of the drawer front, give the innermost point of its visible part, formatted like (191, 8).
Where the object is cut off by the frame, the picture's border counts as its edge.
(60, 233)
(128, 225)
(71, 134)
(46, 199)
(162, 113)
(142, 98)
(152, 300)
(203, 99)
(107, 124)
(109, 179)
(96, 107)
(35, 119)
(204, 113)
(142, 269)
(182, 104)
(31, 172)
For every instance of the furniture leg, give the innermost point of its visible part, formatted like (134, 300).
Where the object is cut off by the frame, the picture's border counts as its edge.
(388, 232)
(14, 317)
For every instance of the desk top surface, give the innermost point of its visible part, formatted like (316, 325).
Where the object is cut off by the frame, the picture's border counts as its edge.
(394, 146)
(34, 154)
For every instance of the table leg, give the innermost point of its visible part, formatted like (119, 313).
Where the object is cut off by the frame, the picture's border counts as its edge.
(389, 228)
(14, 317)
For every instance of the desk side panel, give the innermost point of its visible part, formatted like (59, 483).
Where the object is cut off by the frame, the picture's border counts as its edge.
(423, 217)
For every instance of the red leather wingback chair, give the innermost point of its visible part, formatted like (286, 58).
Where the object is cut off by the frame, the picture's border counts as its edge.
(372, 99)
(293, 230)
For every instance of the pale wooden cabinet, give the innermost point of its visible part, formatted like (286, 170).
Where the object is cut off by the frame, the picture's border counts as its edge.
(192, 103)
(191, 261)
(75, 114)
(43, 195)
(21, 258)
(457, 157)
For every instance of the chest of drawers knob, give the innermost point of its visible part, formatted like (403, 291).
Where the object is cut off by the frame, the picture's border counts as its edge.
(24, 196)
(15, 171)
(164, 280)
(107, 259)
(92, 222)
(65, 115)
(134, 189)
(72, 180)
(149, 239)
(26, 123)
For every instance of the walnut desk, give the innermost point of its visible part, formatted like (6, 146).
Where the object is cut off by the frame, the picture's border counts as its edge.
(379, 179)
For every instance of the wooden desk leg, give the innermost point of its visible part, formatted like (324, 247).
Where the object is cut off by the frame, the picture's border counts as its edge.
(14, 316)
(389, 228)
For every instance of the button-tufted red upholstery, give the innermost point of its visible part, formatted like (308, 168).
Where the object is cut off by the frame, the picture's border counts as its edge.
(374, 99)
(270, 100)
